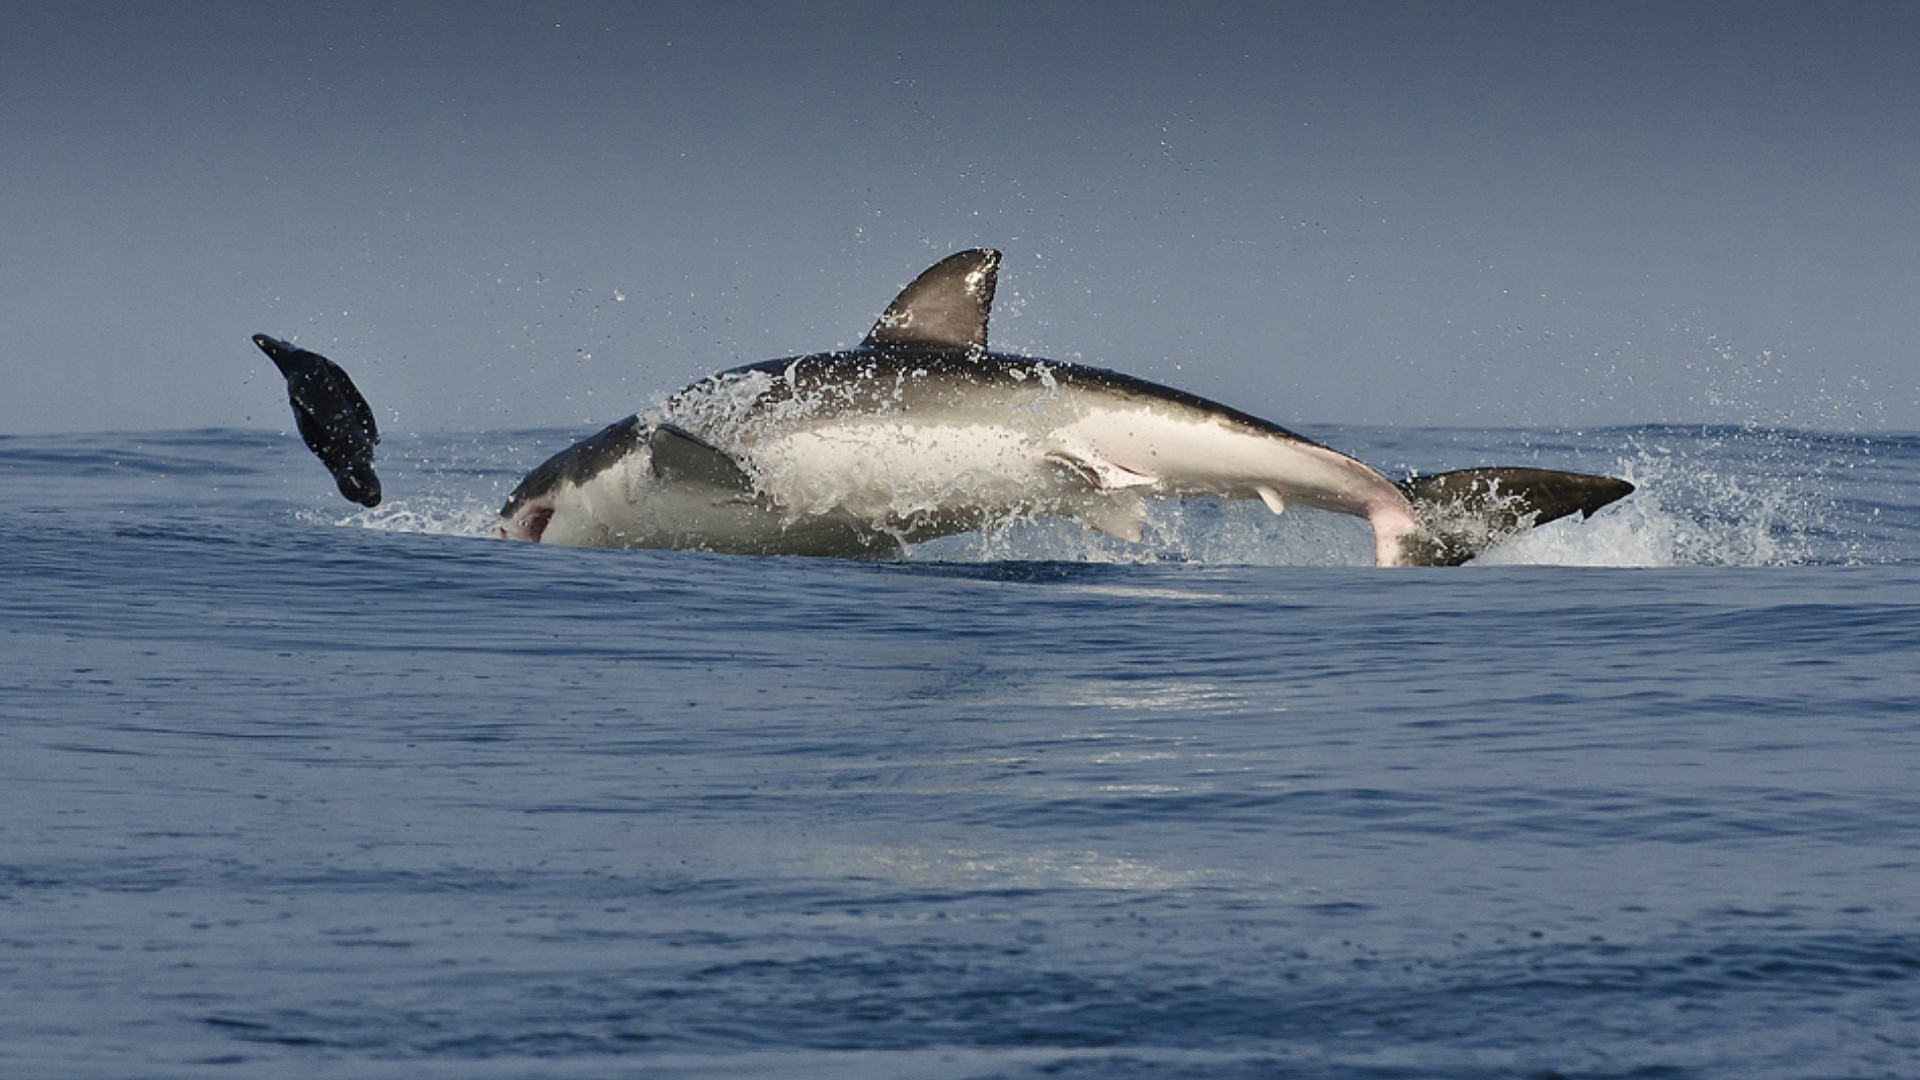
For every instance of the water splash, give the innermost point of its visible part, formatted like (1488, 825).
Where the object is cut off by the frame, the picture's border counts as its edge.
(1706, 497)
(1738, 497)
(429, 515)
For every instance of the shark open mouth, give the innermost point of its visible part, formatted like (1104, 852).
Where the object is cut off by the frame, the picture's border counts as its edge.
(529, 523)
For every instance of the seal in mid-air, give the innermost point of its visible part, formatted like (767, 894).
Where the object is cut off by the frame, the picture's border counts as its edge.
(336, 422)
(921, 432)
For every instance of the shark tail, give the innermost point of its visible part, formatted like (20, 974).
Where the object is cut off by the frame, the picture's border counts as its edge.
(1464, 513)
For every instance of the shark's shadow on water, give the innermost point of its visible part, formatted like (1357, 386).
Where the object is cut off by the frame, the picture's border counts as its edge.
(921, 432)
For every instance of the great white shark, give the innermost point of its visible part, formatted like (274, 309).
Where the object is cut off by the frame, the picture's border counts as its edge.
(922, 431)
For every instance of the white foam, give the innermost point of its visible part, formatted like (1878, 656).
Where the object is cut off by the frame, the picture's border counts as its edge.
(429, 515)
(1732, 498)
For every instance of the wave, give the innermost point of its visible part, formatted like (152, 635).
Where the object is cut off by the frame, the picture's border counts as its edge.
(1707, 496)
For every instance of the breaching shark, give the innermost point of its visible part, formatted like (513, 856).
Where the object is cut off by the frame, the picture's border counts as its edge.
(921, 431)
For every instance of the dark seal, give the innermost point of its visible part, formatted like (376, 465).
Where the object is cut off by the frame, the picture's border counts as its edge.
(336, 422)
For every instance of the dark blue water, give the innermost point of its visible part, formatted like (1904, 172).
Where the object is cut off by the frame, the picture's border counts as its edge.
(288, 790)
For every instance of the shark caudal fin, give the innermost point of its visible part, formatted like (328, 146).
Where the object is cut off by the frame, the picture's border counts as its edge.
(1463, 513)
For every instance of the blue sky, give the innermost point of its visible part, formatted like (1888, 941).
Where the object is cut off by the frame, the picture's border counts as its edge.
(507, 215)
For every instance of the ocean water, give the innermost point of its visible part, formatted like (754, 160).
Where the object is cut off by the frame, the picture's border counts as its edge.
(288, 788)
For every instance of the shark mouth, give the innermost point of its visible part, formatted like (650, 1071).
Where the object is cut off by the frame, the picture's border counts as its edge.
(529, 521)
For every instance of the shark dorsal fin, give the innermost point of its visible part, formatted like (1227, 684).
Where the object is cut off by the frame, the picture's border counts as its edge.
(946, 307)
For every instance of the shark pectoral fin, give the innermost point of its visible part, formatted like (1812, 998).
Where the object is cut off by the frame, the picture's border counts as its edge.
(1272, 498)
(684, 457)
(1099, 473)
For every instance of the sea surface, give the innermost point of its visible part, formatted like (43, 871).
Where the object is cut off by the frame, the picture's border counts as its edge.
(294, 789)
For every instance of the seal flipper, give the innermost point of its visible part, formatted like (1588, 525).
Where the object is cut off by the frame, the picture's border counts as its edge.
(1465, 512)
(945, 308)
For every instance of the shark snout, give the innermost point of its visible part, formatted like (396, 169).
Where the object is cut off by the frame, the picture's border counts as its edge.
(526, 521)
